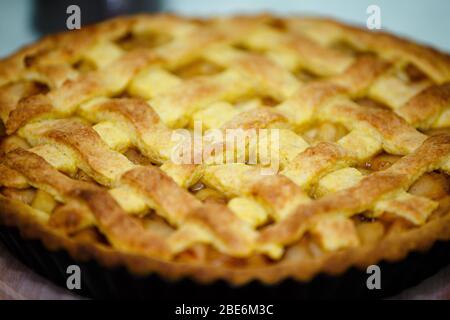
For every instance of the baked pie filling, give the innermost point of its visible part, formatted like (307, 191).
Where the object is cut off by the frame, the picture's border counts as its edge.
(87, 124)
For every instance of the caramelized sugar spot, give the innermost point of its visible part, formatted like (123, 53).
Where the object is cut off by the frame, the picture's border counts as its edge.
(84, 66)
(122, 95)
(345, 48)
(367, 102)
(197, 68)
(245, 48)
(278, 24)
(211, 196)
(381, 162)
(32, 59)
(269, 101)
(325, 131)
(137, 157)
(241, 47)
(132, 41)
(414, 74)
(305, 75)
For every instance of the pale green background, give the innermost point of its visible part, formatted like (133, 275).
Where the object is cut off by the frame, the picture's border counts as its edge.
(424, 20)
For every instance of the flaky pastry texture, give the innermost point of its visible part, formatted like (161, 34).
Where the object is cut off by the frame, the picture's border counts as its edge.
(86, 151)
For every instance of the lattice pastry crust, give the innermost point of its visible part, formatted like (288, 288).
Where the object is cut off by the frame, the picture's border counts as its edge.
(87, 133)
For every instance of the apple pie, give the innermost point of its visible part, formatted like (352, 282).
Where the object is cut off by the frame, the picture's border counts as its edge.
(362, 117)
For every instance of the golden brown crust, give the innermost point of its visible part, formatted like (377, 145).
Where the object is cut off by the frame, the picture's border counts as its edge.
(11, 94)
(396, 133)
(364, 194)
(77, 174)
(123, 232)
(390, 249)
(433, 62)
(166, 195)
(37, 171)
(361, 74)
(11, 178)
(254, 119)
(31, 107)
(423, 109)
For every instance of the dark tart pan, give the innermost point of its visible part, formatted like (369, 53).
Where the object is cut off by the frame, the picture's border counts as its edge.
(117, 283)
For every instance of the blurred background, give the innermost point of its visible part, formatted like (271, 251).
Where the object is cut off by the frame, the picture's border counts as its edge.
(23, 21)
